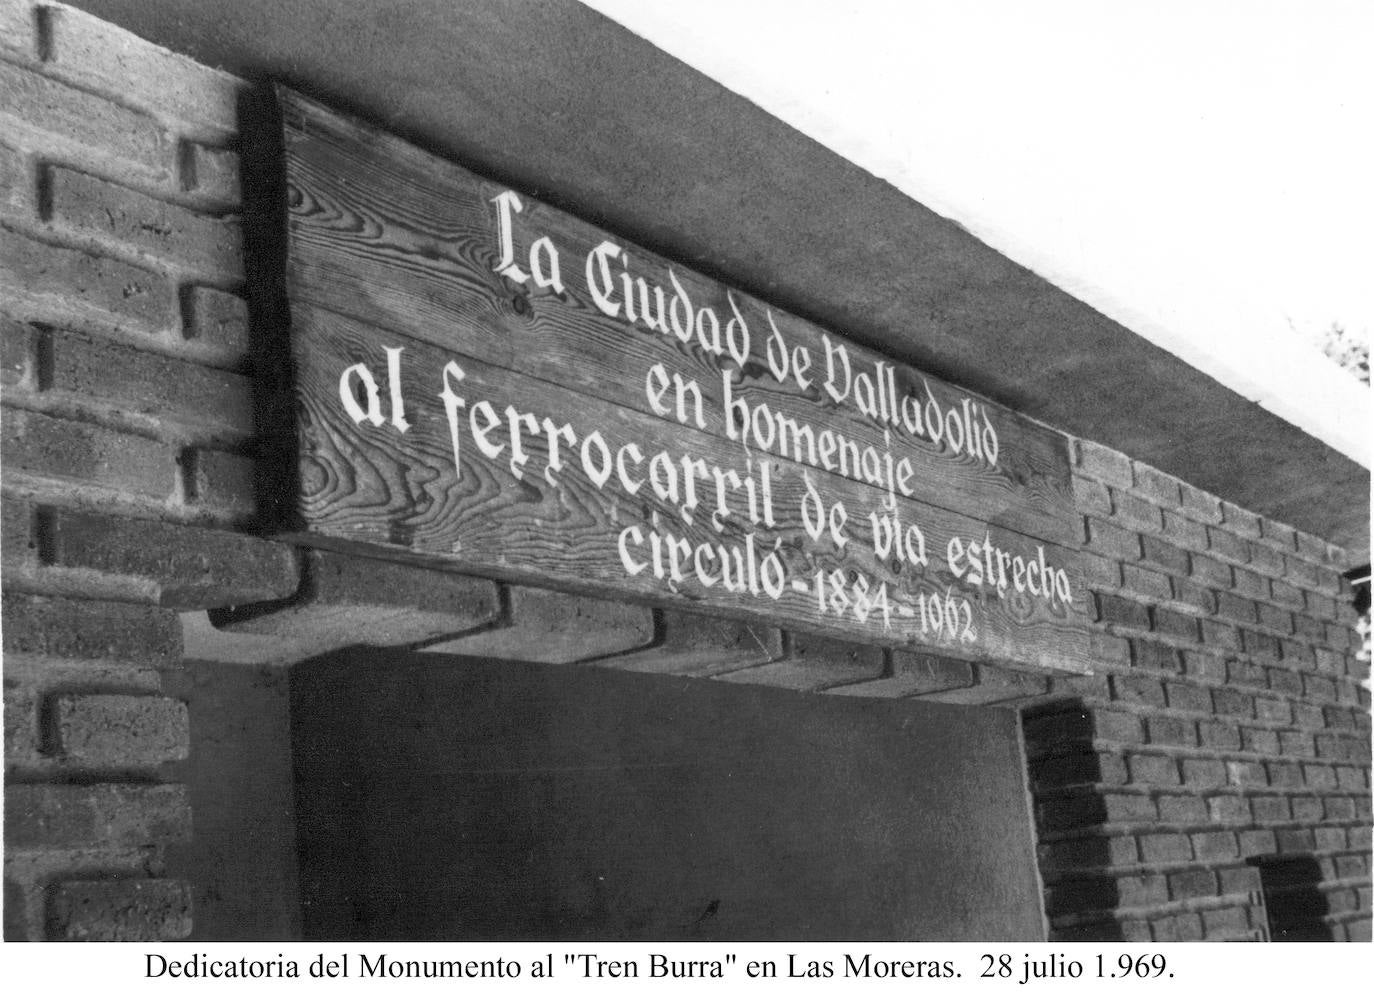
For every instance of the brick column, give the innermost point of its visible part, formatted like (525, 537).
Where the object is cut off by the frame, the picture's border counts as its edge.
(1217, 767)
(128, 456)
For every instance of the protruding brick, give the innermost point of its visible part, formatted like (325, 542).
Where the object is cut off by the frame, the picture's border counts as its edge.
(1233, 703)
(1106, 892)
(85, 629)
(1091, 496)
(19, 35)
(1138, 689)
(817, 663)
(1219, 635)
(1154, 656)
(1093, 852)
(1111, 540)
(1195, 882)
(995, 685)
(1248, 583)
(1184, 532)
(689, 644)
(1257, 842)
(18, 185)
(1215, 845)
(1171, 731)
(1165, 847)
(19, 542)
(1108, 650)
(120, 910)
(47, 111)
(1275, 618)
(347, 600)
(1236, 608)
(914, 675)
(1229, 809)
(1199, 505)
(1162, 488)
(1270, 709)
(1171, 622)
(69, 451)
(87, 49)
(1311, 547)
(1132, 511)
(84, 207)
(1145, 583)
(1101, 462)
(1124, 612)
(1286, 595)
(1218, 735)
(1278, 534)
(1227, 545)
(1204, 666)
(1266, 559)
(1300, 573)
(1183, 927)
(71, 287)
(221, 482)
(149, 384)
(1241, 521)
(1223, 923)
(1186, 696)
(1164, 555)
(217, 323)
(1155, 770)
(115, 731)
(1181, 809)
(1260, 740)
(186, 568)
(1099, 572)
(48, 816)
(211, 176)
(1082, 810)
(1204, 772)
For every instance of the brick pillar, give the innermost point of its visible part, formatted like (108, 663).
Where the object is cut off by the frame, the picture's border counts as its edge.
(1217, 767)
(128, 456)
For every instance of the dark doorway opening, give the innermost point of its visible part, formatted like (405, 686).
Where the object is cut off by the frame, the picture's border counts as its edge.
(447, 798)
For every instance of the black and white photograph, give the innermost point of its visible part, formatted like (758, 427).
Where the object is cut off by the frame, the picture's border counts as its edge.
(781, 492)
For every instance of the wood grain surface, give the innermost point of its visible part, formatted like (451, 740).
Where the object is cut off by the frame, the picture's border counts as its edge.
(390, 247)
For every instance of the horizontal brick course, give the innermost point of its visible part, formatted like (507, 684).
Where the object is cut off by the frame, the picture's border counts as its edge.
(86, 49)
(118, 732)
(1111, 540)
(1106, 464)
(47, 816)
(159, 387)
(63, 450)
(815, 664)
(45, 111)
(123, 910)
(1159, 487)
(86, 629)
(700, 645)
(222, 483)
(185, 568)
(72, 287)
(126, 221)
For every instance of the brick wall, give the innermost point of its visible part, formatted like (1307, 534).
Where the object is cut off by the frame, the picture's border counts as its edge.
(1226, 720)
(1228, 723)
(125, 374)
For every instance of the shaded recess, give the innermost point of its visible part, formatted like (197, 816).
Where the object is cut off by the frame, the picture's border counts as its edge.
(440, 797)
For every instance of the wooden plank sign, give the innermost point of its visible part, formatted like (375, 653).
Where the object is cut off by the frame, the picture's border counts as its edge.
(488, 383)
